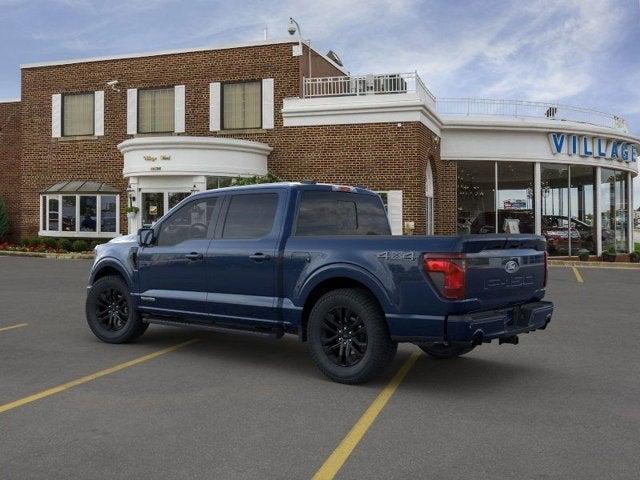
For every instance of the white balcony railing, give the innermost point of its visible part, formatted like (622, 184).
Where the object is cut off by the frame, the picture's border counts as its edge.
(356, 85)
(526, 109)
(402, 83)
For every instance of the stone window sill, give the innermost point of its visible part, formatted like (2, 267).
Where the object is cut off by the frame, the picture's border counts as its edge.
(78, 138)
(241, 131)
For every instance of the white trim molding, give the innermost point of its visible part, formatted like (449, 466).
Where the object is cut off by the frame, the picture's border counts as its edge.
(268, 107)
(179, 109)
(215, 110)
(56, 115)
(132, 111)
(177, 52)
(183, 155)
(390, 108)
(98, 113)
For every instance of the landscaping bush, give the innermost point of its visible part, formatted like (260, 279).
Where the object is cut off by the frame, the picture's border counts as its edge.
(50, 242)
(610, 254)
(25, 242)
(80, 246)
(35, 241)
(4, 221)
(65, 244)
(583, 254)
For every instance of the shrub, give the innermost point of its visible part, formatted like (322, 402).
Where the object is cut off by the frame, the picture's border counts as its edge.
(268, 178)
(583, 254)
(4, 221)
(25, 242)
(49, 242)
(80, 246)
(65, 244)
(35, 241)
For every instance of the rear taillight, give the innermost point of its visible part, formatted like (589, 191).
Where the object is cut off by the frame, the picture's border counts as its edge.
(546, 268)
(447, 273)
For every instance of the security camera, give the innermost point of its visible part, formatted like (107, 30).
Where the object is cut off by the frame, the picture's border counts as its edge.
(292, 27)
(113, 84)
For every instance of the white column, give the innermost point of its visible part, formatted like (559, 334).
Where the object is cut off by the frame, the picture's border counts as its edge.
(132, 111)
(630, 243)
(134, 224)
(537, 198)
(598, 210)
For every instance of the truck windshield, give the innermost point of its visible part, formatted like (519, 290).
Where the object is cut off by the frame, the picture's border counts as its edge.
(341, 213)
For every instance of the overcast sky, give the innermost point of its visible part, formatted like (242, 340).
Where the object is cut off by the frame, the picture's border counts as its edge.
(581, 52)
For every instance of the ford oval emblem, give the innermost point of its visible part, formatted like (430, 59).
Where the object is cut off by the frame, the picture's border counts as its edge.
(511, 266)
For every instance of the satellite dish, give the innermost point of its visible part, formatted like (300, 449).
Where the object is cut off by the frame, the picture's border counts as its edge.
(334, 56)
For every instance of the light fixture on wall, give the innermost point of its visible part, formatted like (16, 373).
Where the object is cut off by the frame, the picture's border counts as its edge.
(131, 192)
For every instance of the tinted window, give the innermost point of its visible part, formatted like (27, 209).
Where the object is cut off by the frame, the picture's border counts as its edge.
(250, 216)
(191, 222)
(337, 213)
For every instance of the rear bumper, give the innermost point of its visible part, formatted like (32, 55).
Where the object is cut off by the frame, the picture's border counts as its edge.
(485, 326)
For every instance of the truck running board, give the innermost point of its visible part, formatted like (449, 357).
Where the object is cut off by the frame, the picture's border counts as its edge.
(264, 332)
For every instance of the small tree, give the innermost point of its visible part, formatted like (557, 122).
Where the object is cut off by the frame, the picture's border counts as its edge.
(268, 178)
(4, 221)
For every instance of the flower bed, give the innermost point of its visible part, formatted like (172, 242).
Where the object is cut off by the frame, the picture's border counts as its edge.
(51, 245)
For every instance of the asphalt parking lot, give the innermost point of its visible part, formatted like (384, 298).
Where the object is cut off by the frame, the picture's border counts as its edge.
(565, 403)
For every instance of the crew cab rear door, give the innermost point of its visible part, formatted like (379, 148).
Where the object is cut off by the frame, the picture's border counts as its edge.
(243, 258)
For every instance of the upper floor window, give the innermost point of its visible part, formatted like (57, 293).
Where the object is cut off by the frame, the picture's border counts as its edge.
(156, 110)
(241, 105)
(78, 114)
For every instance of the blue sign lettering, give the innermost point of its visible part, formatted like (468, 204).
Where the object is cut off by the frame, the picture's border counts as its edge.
(557, 142)
(586, 147)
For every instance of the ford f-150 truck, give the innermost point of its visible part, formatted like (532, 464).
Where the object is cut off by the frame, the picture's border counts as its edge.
(318, 261)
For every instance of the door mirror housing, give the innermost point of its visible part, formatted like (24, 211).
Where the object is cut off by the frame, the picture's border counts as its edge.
(146, 237)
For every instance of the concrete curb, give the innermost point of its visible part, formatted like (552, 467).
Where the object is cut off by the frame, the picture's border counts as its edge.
(603, 265)
(56, 256)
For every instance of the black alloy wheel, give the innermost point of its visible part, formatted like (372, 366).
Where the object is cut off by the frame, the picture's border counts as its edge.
(349, 337)
(112, 310)
(111, 313)
(344, 336)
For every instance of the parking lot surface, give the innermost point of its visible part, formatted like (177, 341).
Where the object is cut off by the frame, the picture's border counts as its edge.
(564, 403)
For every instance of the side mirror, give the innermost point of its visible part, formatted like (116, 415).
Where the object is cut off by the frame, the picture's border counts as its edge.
(146, 237)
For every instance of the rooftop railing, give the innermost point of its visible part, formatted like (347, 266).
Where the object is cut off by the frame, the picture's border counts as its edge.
(356, 85)
(399, 83)
(526, 109)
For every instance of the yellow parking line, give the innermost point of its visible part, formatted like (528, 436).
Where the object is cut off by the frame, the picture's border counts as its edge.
(577, 274)
(94, 376)
(19, 325)
(334, 463)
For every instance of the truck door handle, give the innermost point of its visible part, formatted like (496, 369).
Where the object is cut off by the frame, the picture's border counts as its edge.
(259, 257)
(193, 256)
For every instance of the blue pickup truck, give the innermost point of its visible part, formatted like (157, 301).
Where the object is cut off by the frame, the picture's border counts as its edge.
(318, 261)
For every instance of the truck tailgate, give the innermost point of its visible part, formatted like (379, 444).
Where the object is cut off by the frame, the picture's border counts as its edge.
(504, 270)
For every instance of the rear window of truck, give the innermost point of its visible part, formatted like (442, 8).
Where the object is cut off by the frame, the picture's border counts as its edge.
(340, 213)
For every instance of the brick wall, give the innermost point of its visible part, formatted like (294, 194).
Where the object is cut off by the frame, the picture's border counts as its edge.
(379, 156)
(45, 161)
(9, 160)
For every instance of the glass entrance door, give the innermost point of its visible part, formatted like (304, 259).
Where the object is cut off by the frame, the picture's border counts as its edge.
(152, 207)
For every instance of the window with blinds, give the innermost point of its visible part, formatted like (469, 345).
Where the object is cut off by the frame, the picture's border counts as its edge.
(242, 105)
(156, 110)
(78, 114)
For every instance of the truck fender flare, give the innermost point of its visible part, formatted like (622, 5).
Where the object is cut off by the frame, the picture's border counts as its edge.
(349, 271)
(112, 263)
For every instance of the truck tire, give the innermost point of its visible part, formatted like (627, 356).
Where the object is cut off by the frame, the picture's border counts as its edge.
(443, 352)
(348, 336)
(110, 311)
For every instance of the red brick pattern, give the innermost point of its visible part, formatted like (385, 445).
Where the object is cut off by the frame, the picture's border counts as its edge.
(9, 160)
(378, 156)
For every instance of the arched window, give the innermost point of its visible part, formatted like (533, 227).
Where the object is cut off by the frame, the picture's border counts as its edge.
(429, 199)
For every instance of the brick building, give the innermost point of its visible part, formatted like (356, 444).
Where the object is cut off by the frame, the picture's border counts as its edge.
(90, 137)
